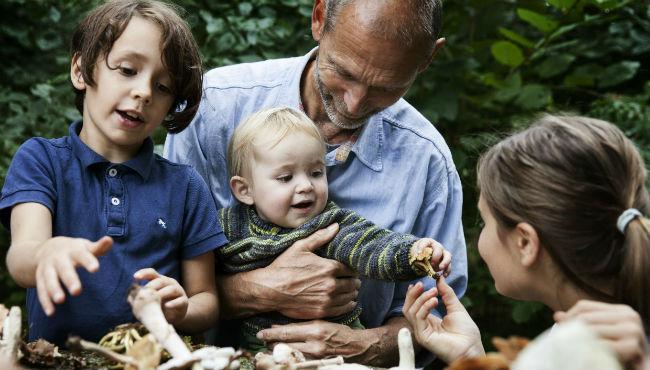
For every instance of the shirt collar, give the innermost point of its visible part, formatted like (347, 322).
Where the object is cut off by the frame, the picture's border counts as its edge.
(141, 163)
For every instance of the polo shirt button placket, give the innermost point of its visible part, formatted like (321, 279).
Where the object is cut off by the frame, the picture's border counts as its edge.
(116, 212)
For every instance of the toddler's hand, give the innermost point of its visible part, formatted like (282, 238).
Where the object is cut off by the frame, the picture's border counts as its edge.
(436, 257)
(57, 260)
(173, 298)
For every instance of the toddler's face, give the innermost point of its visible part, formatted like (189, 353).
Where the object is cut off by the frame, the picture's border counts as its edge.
(132, 93)
(288, 182)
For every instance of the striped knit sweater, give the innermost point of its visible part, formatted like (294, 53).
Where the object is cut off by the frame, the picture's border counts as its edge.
(367, 249)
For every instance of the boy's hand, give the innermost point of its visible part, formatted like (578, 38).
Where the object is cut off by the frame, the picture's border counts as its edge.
(57, 260)
(431, 256)
(173, 298)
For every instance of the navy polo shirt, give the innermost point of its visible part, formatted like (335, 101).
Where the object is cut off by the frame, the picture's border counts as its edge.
(158, 213)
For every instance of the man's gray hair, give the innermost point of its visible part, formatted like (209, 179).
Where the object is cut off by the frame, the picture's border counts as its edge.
(421, 20)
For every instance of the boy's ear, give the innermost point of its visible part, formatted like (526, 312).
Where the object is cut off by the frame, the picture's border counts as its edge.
(75, 73)
(527, 244)
(241, 189)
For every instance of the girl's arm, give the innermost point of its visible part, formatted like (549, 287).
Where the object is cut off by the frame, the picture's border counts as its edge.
(36, 259)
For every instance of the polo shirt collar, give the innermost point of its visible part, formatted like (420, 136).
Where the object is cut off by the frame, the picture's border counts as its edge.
(368, 147)
(141, 163)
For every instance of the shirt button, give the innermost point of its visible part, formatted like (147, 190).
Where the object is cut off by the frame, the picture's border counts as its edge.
(112, 172)
(115, 201)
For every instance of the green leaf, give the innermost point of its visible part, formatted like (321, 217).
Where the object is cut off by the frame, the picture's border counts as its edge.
(524, 311)
(513, 36)
(539, 21)
(534, 96)
(618, 73)
(555, 65)
(510, 88)
(561, 4)
(507, 53)
(583, 76)
(245, 9)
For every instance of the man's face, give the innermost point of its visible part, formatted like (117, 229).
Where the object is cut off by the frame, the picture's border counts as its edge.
(358, 73)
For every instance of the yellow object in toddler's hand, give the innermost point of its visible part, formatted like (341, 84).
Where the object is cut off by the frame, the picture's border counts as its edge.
(420, 260)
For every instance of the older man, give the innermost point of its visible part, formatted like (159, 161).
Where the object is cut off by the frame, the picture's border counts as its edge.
(385, 161)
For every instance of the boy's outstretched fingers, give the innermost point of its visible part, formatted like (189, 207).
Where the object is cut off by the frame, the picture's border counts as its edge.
(101, 247)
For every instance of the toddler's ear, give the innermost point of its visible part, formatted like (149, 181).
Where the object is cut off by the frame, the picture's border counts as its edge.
(75, 73)
(241, 190)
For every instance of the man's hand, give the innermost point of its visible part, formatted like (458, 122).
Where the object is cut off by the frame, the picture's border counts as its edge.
(618, 325)
(299, 284)
(57, 260)
(319, 339)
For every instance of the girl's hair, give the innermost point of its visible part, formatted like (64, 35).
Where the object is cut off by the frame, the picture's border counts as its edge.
(571, 178)
(270, 125)
(95, 35)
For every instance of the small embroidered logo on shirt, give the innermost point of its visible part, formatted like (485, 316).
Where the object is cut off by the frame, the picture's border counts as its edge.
(162, 223)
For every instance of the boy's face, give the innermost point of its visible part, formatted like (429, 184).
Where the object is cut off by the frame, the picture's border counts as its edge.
(129, 99)
(287, 182)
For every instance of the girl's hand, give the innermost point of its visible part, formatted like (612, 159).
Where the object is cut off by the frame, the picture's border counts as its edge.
(452, 337)
(618, 325)
(173, 298)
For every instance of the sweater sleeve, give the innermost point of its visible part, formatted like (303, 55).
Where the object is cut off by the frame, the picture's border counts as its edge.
(369, 250)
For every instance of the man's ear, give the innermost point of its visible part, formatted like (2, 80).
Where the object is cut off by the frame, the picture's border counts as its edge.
(527, 244)
(436, 48)
(75, 73)
(318, 20)
(241, 189)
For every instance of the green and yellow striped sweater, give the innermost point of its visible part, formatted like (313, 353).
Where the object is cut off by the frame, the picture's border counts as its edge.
(367, 249)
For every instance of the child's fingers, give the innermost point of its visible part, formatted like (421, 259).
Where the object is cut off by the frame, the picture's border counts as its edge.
(445, 261)
(44, 299)
(87, 260)
(178, 302)
(146, 274)
(101, 247)
(170, 292)
(65, 270)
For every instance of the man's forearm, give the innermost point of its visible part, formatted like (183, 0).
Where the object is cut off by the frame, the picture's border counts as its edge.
(381, 347)
(240, 296)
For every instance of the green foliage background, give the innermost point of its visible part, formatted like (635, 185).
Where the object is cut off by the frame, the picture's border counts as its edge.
(504, 61)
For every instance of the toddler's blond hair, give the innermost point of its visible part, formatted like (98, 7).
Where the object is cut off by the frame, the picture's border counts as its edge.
(271, 125)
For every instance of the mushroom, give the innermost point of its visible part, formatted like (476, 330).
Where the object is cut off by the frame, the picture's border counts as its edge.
(11, 330)
(145, 304)
(75, 343)
(406, 352)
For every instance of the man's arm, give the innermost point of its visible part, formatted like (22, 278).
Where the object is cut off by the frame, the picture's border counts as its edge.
(298, 284)
(319, 339)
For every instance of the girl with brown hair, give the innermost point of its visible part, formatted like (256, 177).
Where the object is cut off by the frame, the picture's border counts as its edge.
(563, 204)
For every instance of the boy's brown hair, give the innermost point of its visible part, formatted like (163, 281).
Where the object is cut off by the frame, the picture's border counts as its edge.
(95, 35)
(571, 178)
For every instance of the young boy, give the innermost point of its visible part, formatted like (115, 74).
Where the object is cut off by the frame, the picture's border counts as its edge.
(98, 208)
(276, 162)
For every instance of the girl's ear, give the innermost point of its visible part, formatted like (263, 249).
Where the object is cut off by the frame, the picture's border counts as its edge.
(75, 73)
(241, 189)
(527, 244)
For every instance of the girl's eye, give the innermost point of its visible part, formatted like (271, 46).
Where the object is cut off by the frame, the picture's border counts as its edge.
(285, 178)
(317, 173)
(127, 71)
(163, 88)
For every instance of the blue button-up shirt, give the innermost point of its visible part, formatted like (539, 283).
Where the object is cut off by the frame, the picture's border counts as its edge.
(399, 174)
(157, 212)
